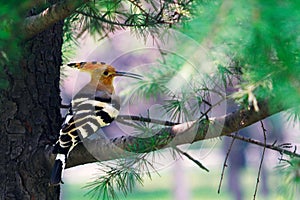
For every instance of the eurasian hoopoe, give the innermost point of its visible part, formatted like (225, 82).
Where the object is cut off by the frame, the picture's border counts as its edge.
(91, 108)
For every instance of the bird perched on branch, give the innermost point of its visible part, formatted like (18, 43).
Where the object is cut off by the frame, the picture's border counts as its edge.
(91, 108)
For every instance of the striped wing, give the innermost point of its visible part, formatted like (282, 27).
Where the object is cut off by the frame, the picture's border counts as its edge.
(86, 118)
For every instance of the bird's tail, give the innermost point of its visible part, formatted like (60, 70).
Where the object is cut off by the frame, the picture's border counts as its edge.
(57, 170)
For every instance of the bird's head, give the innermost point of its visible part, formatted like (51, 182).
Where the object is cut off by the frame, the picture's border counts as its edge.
(102, 75)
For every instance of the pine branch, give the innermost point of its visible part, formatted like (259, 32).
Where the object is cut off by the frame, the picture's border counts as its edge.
(124, 24)
(279, 148)
(34, 25)
(184, 133)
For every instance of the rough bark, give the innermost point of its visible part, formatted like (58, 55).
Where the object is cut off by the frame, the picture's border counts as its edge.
(30, 118)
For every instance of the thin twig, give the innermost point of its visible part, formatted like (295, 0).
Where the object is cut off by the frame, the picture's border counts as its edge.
(145, 119)
(227, 154)
(211, 107)
(277, 148)
(136, 4)
(191, 158)
(261, 160)
(161, 122)
(213, 91)
(225, 164)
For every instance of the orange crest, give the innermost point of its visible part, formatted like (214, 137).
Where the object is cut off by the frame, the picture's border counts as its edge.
(101, 74)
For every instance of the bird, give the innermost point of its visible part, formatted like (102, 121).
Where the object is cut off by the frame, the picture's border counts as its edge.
(92, 108)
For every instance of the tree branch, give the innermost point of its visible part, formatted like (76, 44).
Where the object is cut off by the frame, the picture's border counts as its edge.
(36, 24)
(143, 119)
(184, 133)
(282, 148)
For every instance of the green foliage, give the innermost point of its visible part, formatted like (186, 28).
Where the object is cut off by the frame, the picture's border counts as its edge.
(121, 176)
(144, 129)
(259, 37)
(275, 37)
(70, 42)
(182, 107)
(154, 82)
(104, 17)
(9, 16)
(255, 43)
(104, 186)
(12, 14)
(190, 95)
(289, 171)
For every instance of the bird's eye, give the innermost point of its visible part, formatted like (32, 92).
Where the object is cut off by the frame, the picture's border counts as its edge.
(105, 73)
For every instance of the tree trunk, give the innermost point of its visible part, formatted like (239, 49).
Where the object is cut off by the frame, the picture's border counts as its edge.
(30, 118)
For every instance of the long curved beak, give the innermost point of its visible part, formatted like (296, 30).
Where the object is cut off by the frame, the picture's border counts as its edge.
(128, 74)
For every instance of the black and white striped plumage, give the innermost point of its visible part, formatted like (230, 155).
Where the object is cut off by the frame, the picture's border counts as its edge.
(92, 108)
(85, 117)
